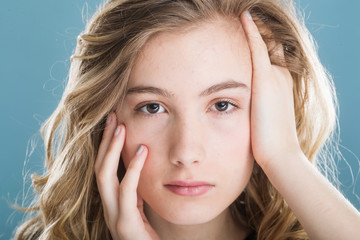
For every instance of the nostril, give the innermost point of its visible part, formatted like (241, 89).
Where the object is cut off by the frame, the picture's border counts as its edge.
(179, 163)
(182, 163)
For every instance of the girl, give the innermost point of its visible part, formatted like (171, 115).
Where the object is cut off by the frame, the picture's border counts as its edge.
(191, 119)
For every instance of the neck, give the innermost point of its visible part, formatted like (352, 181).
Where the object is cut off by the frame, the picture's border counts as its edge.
(221, 227)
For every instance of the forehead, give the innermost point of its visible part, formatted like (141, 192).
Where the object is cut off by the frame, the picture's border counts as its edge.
(208, 52)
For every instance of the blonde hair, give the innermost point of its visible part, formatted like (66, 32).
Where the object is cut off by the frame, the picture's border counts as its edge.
(68, 205)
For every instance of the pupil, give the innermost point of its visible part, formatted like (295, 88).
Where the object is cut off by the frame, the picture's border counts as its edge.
(152, 108)
(221, 106)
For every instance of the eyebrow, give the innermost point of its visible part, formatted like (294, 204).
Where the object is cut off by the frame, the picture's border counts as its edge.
(210, 90)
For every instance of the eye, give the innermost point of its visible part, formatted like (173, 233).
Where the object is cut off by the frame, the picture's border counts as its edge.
(223, 106)
(151, 108)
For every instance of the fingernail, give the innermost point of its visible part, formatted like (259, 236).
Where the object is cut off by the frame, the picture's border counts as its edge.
(139, 150)
(249, 15)
(117, 131)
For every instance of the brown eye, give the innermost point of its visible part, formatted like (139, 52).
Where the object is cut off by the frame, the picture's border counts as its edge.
(224, 106)
(152, 108)
(221, 106)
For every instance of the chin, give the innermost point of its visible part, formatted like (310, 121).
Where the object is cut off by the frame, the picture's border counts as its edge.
(190, 219)
(188, 214)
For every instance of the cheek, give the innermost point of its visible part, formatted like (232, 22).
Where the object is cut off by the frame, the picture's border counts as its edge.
(231, 145)
(232, 137)
(143, 132)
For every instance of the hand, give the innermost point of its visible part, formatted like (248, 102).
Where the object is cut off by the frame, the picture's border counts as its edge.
(273, 129)
(277, 150)
(123, 206)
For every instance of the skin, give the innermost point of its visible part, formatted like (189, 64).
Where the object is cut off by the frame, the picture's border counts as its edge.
(268, 133)
(188, 138)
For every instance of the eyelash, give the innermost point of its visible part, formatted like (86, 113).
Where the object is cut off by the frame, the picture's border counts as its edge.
(234, 106)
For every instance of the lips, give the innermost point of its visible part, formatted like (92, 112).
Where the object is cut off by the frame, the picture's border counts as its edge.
(189, 188)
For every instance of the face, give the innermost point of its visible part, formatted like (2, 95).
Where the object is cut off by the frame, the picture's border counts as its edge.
(189, 103)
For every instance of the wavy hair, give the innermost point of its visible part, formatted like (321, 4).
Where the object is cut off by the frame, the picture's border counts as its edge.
(67, 203)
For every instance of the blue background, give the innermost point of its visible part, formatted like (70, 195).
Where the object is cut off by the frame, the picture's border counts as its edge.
(37, 39)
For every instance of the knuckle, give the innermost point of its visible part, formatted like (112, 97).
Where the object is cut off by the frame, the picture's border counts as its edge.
(101, 177)
(124, 189)
(115, 146)
(123, 228)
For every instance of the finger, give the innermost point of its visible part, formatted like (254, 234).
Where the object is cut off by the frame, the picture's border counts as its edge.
(106, 139)
(106, 176)
(128, 198)
(258, 48)
(112, 156)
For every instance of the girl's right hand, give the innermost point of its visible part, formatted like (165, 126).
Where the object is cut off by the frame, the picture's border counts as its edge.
(123, 206)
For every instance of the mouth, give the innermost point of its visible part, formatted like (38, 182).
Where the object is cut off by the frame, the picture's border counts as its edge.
(189, 188)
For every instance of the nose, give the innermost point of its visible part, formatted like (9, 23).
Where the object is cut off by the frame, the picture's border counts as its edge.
(187, 142)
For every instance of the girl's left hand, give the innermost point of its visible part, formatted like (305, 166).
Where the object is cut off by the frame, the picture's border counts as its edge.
(273, 129)
(318, 206)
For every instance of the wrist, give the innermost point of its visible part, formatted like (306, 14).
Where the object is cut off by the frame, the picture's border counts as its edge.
(284, 162)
